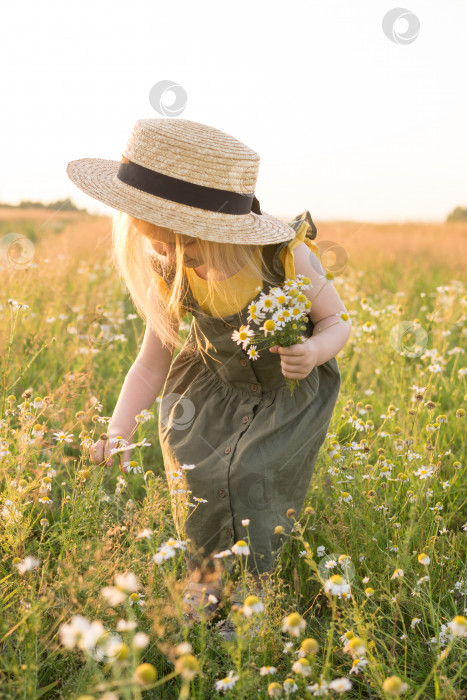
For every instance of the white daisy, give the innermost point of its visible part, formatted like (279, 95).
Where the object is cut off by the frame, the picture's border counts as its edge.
(228, 682)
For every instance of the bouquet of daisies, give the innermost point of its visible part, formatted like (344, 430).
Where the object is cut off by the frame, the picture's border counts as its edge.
(282, 314)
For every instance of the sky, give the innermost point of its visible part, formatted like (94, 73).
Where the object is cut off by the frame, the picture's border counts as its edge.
(348, 123)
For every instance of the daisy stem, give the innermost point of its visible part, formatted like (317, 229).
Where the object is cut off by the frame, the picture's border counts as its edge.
(330, 635)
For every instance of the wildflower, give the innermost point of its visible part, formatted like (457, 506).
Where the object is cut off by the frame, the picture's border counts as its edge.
(302, 666)
(424, 559)
(187, 666)
(357, 665)
(243, 335)
(240, 548)
(38, 430)
(398, 573)
(145, 674)
(144, 416)
(293, 624)
(136, 598)
(265, 302)
(81, 632)
(62, 437)
(290, 686)
(177, 544)
(340, 685)
(27, 564)
(227, 683)
(126, 625)
(183, 648)
(187, 466)
(245, 522)
(458, 626)
(337, 585)
(343, 317)
(345, 637)
(252, 352)
(252, 605)
(113, 595)
(424, 472)
(320, 688)
(279, 530)
(269, 326)
(345, 496)
(274, 690)
(114, 649)
(355, 647)
(223, 554)
(267, 670)
(17, 305)
(127, 582)
(369, 591)
(278, 296)
(132, 466)
(147, 532)
(45, 500)
(415, 621)
(394, 686)
(308, 646)
(163, 554)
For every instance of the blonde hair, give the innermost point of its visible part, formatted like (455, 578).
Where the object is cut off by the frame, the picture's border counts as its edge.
(159, 304)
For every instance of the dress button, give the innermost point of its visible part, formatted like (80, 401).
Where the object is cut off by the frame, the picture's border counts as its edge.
(229, 532)
(253, 387)
(221, 493)
(227, 449)
(245, 419)
(243, 362)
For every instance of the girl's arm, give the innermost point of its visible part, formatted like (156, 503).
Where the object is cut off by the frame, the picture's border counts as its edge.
(330, 334)
(142, 384)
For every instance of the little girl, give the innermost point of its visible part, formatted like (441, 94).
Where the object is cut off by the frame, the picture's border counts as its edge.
(239, 449)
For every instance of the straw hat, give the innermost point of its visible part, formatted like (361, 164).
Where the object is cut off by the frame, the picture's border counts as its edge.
(185, 176)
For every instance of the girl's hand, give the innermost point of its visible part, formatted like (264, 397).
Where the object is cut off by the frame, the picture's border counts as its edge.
(100, 452)
(297, 360)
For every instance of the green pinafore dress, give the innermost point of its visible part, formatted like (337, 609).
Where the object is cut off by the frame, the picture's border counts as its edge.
(253, 445)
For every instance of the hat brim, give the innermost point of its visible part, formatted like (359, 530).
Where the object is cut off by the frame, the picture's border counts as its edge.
(97, 177)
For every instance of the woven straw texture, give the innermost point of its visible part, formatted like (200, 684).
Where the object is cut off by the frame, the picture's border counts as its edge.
(196, 153)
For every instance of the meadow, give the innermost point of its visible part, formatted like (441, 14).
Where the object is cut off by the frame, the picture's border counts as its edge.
(369, 593)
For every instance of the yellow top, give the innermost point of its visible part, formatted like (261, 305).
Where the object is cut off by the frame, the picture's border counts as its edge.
(244, 288)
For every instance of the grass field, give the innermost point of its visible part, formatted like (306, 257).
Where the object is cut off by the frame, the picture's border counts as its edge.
(389, 487)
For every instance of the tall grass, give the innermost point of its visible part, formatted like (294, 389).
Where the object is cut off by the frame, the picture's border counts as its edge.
(390, 485)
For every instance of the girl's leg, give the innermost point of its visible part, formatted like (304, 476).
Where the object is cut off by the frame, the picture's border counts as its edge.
(208, 572)
(262, 578)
